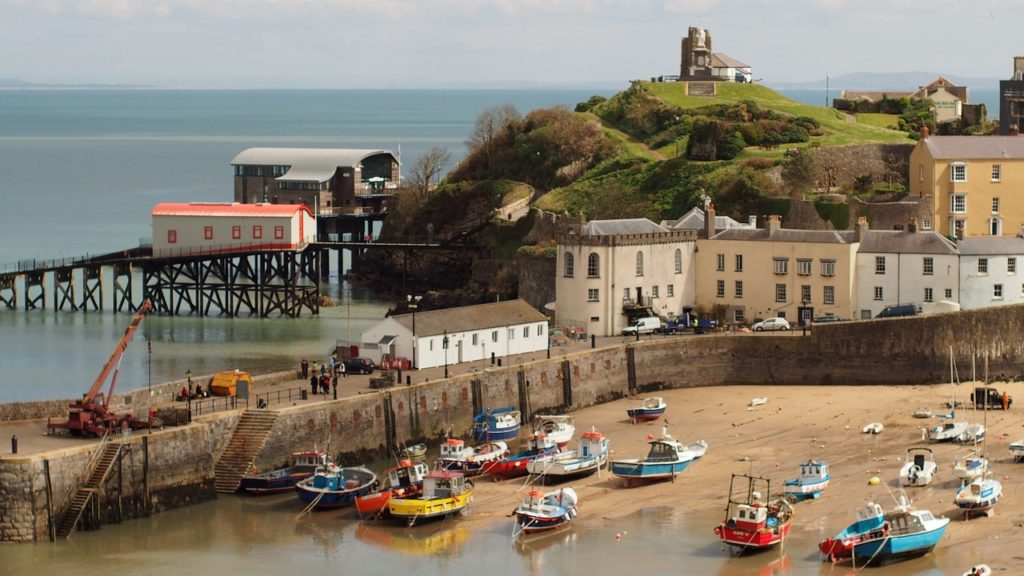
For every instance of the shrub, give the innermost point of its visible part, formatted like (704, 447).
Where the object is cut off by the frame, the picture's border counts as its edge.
(730, 146)
(590, 103)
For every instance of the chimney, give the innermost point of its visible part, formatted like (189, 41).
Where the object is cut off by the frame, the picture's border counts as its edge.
(912, 225)
(752, 221)
(709, 221)
(862, 229)
(924, 132)
(774, 223)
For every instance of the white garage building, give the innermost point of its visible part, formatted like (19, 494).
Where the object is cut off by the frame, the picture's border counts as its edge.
(213, 228)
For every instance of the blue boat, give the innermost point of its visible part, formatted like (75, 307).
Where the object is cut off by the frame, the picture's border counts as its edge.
(667, 457)
(496, 424)
(813, 480)
(877, 537)
(284, 479)
(334, 486)
(650, 409)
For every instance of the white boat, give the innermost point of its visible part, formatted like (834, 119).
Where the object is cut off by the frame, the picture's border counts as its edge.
(919, 469)
(979, 570)
(759, 401)
(699, 448)
(471, 460)
(539, 511)
(587, 459)
(979, 496)
(973, 433)
(1017, 450)
(813, 479)
(922, 413)
(558, 427)
(947, 431)
(971, 466)
(872, 428)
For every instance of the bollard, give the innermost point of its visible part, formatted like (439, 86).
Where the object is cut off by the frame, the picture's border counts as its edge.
(492, 358)
(499, 362)
(637, 333)
(14, 444)
(593, 341)
(408, 380)
(399, 381)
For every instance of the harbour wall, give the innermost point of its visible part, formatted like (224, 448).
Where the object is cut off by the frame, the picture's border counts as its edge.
(360, 428)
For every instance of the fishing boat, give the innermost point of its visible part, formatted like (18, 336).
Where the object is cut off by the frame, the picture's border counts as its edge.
(304, 464)
(1017, 450)
(558, 427)
(539, 512)
(591, 455)
(334, 486)
(813, 480)
(402, 481)
(538, 445)
(471, 460)
(416, 453)
(496, 424)
(444, 493)
(982, 493)
(971, 466)
(919, 468)
(649, 409)
(666, 458)
(879, 536)
(752, 523)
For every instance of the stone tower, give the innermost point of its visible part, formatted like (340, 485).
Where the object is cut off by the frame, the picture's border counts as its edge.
(696, 61)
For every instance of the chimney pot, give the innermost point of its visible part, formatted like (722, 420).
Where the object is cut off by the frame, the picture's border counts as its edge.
(924, 132)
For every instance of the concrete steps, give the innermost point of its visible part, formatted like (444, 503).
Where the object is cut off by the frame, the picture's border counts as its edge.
(247, 440)
(88, 490)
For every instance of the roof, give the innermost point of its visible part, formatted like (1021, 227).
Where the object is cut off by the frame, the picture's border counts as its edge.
(306, 164)
(902, 242)
(974, 147)
(787, 235)
(983, 245)
(468, 318)
(694, 220)
(228, 209)
(622, 226)
(719, 60)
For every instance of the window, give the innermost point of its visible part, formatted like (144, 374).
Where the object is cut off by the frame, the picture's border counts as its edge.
(926, 224)
(982, 265)
(956, 227)
(830, 295)
(928, 295)
(679, 261)
(958, 172)
(780, 265)
(928, 266)
(569, 265)
(721, 262)
(865, 314)
(878, 293)
(593, 265)
(654, 291)
(949, 293)
(511, 334)
(670, 290)
(625, 294)
(720, 289)
(997, 291)
(737, 316)
(1011, 265)
(208, 232)
(476, 339)
(430, 344)
(996, 172)
(920, 172)
(172, 236)
(995, 205)
(236, 232)
(739, 288)
(828, 267)
(739, 262)
(995, 226)
(257, 232)
(639, 263)
(803, 266)
(780, 292)
(958, 203)
(805, 293)
(592, 295)
(540, 329)
(494, 335)
(879, 264)
(278, 232)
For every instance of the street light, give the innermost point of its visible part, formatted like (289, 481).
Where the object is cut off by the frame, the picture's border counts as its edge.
(413, 302)
(444, 344)
(188, 399)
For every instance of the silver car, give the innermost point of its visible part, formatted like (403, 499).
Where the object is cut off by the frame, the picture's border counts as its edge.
(771, 324)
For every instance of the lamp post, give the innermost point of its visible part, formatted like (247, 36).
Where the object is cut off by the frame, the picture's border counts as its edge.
(188, 399)
(444, 344)
(413, 302)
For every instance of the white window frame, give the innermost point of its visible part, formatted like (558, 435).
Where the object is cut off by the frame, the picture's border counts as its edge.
(594, 265)
(738, 316)
(997, 291)
(982, 265)
(780, 265)
(654, 291)
(949, 293)
(1011, 265)
(805, 293)
(828, 267)
(928, 295)
(670, 290)
(926, 224)
(829, 296)
(721, 263)
(593, 295)
(720, 289)
(738, 287)
(958, 203)
(928, 266)
(997, 172)
(639, 264)
(879, 293)
(679, 261)
(958, 172)
(995, 204)
(804, 266)
(739, 262)
(780, 292)
(879, 264)
(568, 265)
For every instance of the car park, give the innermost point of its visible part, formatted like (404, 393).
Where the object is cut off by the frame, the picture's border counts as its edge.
(770, 324)
(360, 365)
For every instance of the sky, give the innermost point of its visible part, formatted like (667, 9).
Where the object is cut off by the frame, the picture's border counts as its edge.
(489, 43)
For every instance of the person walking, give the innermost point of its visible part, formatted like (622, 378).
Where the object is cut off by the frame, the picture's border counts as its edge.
(314, 382)
(323, 368)
(334, 385)
(325, 383)
(344, 372)
(305, 369)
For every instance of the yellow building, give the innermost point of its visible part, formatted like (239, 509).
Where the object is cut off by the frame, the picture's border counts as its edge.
(763, 273)
(973, 181)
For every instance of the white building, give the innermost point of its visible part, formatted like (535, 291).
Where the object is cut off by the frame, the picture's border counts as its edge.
(608, 271)
(213, 228)
(989, 273)
(725, 67)
(905, 267)
(457, 335)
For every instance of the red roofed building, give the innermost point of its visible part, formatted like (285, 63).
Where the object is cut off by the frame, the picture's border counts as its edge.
(215, 228)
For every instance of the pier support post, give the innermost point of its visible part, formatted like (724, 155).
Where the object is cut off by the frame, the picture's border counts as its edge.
(35, 280)
(566, 384)
(64, 289)
(631, 369)
(8, 291)
(92, 288)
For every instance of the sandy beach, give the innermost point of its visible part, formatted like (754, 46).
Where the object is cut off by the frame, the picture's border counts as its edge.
(798, 423)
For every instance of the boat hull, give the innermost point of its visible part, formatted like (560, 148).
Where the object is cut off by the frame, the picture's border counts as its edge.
(752, 539)
(376, 504)
(412, 510)
(899, 546)
(482, 434)
(804, 491)
(532, 523)
(556, 470)
(274, 482)
(330, 498)
(631, 470)
(474, 468)
(645, 414)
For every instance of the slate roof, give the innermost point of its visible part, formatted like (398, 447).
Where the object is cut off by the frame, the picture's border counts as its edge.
(468, 318)
(903, 242)
(719, 60)
(787, 235)
(975, 147)
(623, 226)
(694, 220)
(983, 245)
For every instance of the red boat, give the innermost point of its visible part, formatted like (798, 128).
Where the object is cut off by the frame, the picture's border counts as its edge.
(538, 444)
(402, 481)
(750, 522)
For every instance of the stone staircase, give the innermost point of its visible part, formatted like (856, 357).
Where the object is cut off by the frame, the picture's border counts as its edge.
(97, 471)
(247, 440)
(700, 88)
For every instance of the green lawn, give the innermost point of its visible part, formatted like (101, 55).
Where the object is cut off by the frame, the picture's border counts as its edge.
(880, 120)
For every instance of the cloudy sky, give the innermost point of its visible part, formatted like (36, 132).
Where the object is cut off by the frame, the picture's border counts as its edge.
(508, 43)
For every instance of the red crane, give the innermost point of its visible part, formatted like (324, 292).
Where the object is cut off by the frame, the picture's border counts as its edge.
(91, 415)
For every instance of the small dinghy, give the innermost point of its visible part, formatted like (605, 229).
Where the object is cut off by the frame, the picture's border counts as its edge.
(872, 428)
(919, 468)
(650, 409)
(979, 570)
(539, 512)
(922, 413)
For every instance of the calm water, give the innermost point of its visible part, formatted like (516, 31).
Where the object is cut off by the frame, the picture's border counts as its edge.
(81, 170)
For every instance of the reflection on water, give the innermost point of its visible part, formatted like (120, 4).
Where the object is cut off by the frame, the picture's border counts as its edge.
(430, 539)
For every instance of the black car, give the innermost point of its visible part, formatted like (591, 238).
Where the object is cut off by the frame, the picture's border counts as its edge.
(898, 310)
(825, 319)
(360, 365)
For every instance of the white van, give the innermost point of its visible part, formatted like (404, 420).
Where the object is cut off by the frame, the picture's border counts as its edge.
(646, 325)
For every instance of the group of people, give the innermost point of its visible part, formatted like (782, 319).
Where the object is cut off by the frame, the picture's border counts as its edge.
(328, 375)
(188, 392)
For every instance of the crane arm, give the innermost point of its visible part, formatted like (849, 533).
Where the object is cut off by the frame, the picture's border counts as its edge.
(115, 357)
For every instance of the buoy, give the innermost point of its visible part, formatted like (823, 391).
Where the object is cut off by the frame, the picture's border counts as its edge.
(650, 436)
(874, 481)
(618, 536)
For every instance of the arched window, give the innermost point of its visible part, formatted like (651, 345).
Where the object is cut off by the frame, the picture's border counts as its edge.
(639, 263)
(679, 261)
(569, 265)
(593, 265)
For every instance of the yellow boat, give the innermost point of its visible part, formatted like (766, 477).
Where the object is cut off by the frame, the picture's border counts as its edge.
(444, 493)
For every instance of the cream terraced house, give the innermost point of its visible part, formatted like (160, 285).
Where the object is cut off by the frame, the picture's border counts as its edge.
(974, 183)
(990, 271)
(762, 273)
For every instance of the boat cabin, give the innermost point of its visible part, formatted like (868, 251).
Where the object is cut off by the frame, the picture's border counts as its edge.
(540, 442)
(592, 444)
(664, 450)
(901, 522)
(452, 448)
(750, 516)
(407, 474)
(311, 459)
(443, 484)
(534, 501)
(813, 470)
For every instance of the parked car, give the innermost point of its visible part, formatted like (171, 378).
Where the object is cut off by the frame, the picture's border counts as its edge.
(771, 324)
(360, 365)
(645, 325)
(826, 319)
(898, 310)
(676, 326)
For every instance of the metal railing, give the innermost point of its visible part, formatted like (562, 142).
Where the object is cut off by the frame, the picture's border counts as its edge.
(220, 403)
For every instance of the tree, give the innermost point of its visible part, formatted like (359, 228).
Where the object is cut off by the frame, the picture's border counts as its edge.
(801, 173)
(489, 124)
(427, 169)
